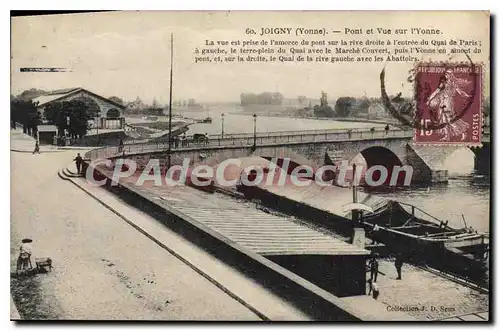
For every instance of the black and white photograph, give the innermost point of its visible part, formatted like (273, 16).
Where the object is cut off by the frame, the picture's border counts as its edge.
(320, 166)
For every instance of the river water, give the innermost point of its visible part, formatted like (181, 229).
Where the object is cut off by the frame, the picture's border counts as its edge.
(465, 193)
(236, 121)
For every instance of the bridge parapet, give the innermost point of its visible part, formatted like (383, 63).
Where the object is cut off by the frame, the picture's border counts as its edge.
(248, 140)
(378, 147)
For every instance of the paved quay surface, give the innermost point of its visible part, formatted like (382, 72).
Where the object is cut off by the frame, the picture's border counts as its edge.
(23, 143)
(103, 268)
(427, 296)
(252, 294)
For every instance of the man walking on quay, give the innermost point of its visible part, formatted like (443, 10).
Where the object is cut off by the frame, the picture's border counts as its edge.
(399, 264)
(37, 148)
(78, 160)
(373, 264)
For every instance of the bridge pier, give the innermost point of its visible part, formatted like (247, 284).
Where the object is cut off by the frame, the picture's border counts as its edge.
(482, 159)
(427, 163)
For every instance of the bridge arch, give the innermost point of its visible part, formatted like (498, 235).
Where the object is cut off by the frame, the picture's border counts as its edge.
(280, 154)
(375, 157)
(379, 155)
(283, 152)
(280, 163)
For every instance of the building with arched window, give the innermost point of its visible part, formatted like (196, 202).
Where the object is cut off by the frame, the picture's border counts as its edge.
(106, 113)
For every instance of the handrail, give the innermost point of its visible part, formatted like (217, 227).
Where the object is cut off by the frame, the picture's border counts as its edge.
(248, 140)
(299, 132)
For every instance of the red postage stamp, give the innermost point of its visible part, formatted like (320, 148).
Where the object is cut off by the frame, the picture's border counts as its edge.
(448, 101)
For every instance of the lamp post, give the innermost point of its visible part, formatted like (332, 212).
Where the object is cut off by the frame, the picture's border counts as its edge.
(98, 114)
(222, 118)
(254, 131)
(169, 156)
(68, 123)
(355, 217)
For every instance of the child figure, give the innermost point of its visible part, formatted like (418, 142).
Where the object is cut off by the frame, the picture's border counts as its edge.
(373, 289)
(25, 255)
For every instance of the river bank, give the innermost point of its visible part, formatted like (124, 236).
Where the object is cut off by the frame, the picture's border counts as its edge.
(338, 119)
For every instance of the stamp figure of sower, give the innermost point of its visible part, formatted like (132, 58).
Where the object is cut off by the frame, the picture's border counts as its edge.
(442, 102)
(450, 103)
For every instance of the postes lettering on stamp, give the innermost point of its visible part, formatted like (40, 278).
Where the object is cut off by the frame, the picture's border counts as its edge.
(448, 103)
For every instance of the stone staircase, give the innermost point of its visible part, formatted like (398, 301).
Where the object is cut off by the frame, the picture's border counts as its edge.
(66, 174)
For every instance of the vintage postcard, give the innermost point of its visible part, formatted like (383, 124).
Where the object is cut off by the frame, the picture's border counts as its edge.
(251, 166)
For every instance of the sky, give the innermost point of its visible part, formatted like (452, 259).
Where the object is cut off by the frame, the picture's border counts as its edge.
(127, 54)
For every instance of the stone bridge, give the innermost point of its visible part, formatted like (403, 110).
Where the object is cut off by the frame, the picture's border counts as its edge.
(315, 148)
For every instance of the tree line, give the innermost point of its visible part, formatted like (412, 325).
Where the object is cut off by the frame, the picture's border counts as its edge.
(68, 116)
(25, 113)
(266, 98)
(349, 106)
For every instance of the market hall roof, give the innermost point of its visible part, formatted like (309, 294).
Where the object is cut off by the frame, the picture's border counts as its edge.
(64, 93)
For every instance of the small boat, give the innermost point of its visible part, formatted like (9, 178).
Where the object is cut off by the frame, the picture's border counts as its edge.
(207, 119)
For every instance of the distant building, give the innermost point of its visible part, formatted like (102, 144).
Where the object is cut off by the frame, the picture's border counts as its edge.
(361, 106)
(300, 102)
(376, 110)
(106, 113)
(136, 105)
